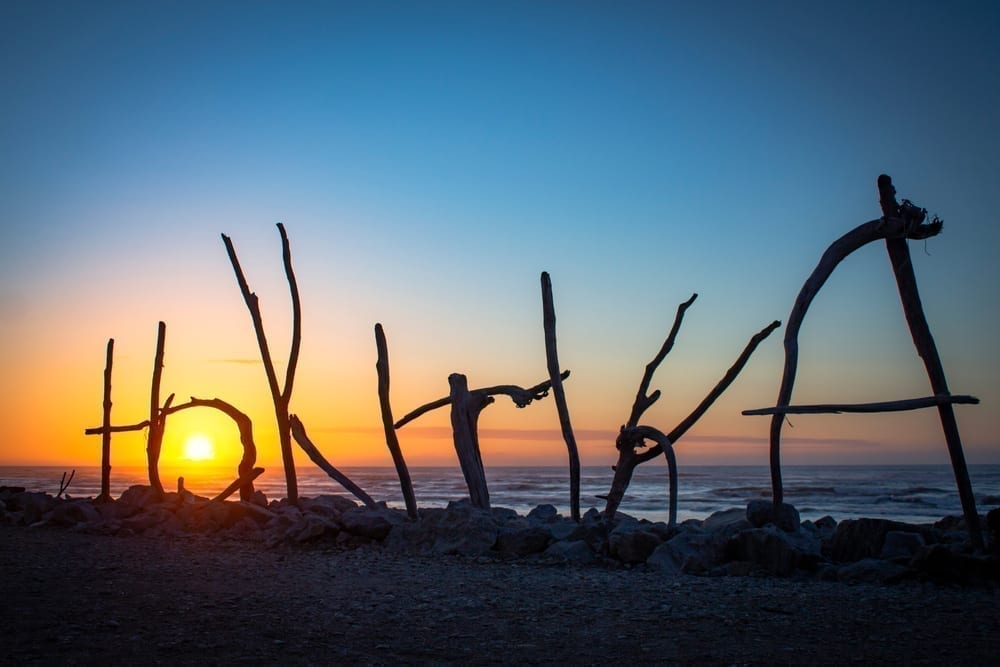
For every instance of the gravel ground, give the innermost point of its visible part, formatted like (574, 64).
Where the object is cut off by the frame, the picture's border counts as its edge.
(73, 598)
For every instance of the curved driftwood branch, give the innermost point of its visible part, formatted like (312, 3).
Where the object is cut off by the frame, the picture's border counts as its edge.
(882, 406)
(521, 397)
(391, 441)
(279, 396)
(244, 425)
(299, 433)
(642, 400)
(661, 440)
(559, 394)
(858, 237)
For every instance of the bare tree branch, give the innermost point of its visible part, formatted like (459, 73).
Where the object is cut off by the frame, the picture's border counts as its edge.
(299, 433)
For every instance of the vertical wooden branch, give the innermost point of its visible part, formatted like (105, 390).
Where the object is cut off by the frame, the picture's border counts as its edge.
(465, 409)
(154, 441)
(391, 441)
(909, 295)
(279, 396)
(559, 394)
(105, 494)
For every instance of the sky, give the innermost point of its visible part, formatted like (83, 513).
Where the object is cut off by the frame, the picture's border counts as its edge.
(429, 160)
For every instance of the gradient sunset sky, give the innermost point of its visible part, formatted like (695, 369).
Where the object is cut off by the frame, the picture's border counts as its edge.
(430, 159)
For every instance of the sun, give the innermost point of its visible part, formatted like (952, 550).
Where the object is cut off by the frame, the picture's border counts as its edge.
(198, 447)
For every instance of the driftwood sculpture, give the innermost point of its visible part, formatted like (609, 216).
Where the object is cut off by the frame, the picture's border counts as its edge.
(391, 441)
(157, 425)
(559, 395)
(466, 405)
(632, 436)
(301, 437)
(898, 223)
(280, 395)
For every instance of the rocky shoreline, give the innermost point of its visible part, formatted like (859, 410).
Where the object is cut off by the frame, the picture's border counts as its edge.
(736, 541)
(187, 581)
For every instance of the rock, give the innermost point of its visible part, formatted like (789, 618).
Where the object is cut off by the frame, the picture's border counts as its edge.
(576, 552)
(631, 542)
(312, 527)
(901, 546)
(139, 496)
(761, 512)
(993, 530)
(872, 571)
(731, 521)
(943, 562)
(505, 515)
(567, 529)
(543, 513)
(522, 541)
(32, 506)
(459, 529)
(372, 523)
(856, 539)
(690, 551)
(73, 512)
(775, 550)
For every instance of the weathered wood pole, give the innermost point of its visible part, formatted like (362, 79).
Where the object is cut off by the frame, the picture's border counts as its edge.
(105, 494)
(280, 396)
(391, 441)
(559, 394)
(902, 267)
(154, 439)
(465, 409)
(243, 481)
(299, 433)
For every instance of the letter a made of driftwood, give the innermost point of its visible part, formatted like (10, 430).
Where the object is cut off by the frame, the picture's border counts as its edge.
(466, 405)
(632, 436)
(898, 223)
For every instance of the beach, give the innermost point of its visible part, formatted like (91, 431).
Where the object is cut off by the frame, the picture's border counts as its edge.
(76, 598)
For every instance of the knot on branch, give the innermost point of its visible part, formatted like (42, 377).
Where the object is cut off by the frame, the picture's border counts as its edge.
(522, 397)
(629, 437)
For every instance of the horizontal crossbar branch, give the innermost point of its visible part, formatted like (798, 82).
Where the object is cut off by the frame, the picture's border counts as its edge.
(884, 406)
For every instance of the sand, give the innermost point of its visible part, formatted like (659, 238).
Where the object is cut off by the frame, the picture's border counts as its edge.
(73, 598)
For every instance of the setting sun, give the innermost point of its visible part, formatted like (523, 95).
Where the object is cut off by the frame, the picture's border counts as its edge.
(198, 448)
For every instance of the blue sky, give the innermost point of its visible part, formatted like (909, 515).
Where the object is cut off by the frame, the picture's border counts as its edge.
(430, 159)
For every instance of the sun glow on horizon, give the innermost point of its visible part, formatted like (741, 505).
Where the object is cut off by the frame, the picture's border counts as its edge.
(199, 447)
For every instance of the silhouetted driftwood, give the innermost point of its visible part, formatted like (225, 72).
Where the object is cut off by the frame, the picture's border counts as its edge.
(243, 481)
(243, 424)
(631, 438)
(280, 396)
(240, 418)
(391, 441)
(909, 295)
(880, 406)
(897, 224)
(105, 494)
(466, 405)
(154, 438)
(299, 433)
(64, 483)
(559, 395)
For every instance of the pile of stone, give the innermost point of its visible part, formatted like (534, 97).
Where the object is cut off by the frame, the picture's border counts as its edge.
(741, 541)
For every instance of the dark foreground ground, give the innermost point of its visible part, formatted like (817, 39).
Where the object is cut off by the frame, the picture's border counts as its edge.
(72, 598)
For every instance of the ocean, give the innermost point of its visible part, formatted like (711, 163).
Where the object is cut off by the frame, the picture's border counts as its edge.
(915, 493)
